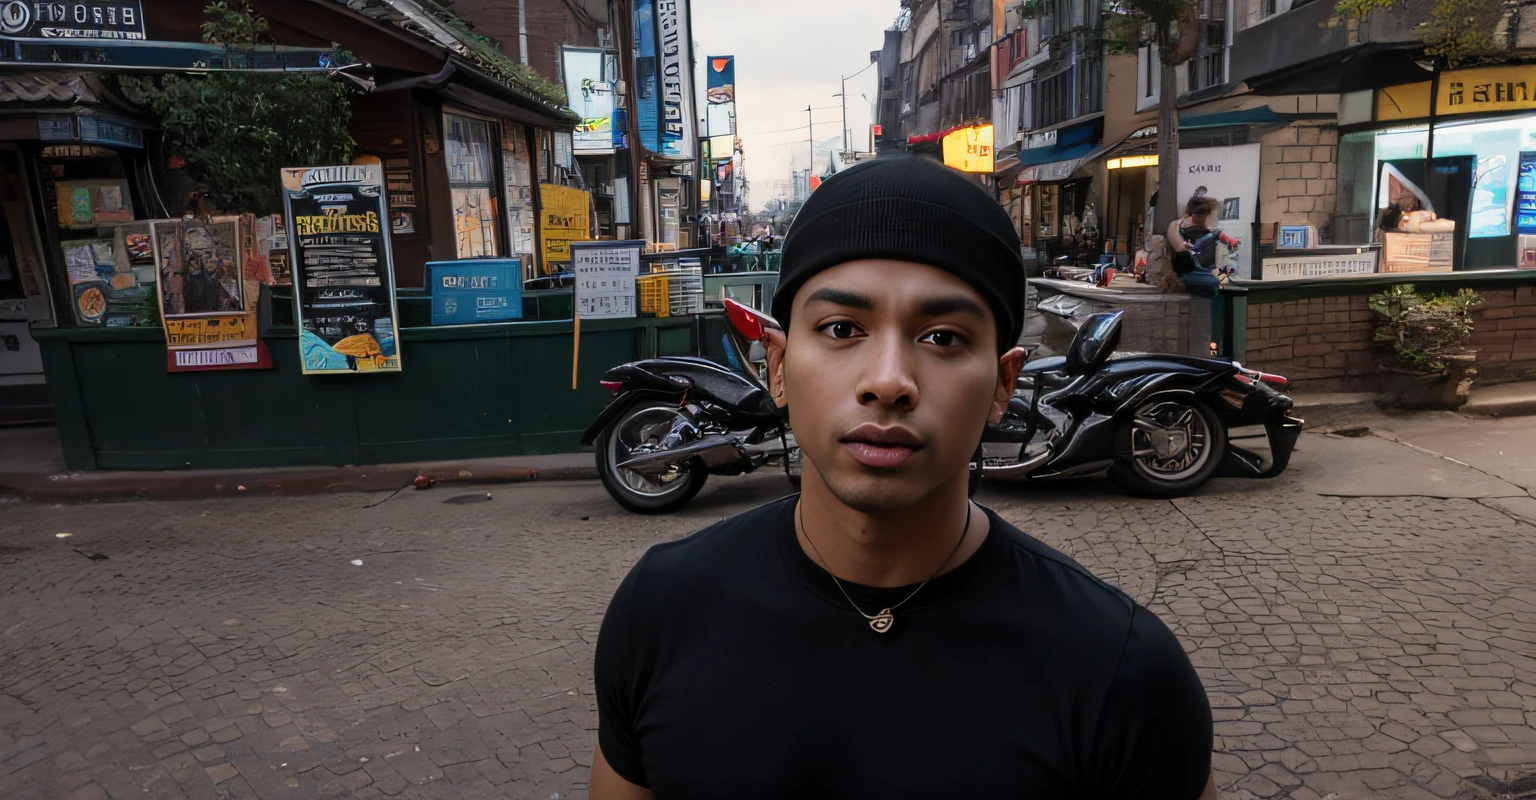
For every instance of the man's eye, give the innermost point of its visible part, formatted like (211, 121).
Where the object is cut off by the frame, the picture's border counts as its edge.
(840, 330)
(944, 338)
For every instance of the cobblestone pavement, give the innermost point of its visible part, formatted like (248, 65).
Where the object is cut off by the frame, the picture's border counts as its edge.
(1352, 647)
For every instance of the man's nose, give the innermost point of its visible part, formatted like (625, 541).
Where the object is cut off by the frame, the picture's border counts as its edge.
(888, 377)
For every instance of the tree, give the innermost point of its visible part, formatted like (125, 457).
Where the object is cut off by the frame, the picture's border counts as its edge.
(1173, 26)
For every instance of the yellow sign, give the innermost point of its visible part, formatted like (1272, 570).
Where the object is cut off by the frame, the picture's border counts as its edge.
(1127, 162)
(563, 218)
(969, 149)
(1486, 90)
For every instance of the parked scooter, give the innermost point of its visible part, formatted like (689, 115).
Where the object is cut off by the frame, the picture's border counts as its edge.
(1158, 425)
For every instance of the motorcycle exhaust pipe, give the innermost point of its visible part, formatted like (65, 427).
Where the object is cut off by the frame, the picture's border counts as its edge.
(710, 448)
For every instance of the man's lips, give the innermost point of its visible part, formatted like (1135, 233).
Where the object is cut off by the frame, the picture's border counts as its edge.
(883, 448)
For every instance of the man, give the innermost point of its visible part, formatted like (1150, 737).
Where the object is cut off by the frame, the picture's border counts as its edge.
(880, 635)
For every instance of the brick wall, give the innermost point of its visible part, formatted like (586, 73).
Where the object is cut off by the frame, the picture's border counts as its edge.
(1504, 334)
(1323, 344)
(1298, 179)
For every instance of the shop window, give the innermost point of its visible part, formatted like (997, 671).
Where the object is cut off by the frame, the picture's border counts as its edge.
(472, 181)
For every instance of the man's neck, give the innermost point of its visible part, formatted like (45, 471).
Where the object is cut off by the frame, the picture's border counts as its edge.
(898, 548)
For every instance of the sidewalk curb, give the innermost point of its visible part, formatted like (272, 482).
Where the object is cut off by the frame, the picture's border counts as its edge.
(86, 487)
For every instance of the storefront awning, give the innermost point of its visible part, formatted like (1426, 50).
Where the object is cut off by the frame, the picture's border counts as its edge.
(1055, 152)
(117, 55)
(1260, 115)
(1051, 172)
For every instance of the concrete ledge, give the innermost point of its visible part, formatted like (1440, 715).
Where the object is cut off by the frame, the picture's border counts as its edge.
(85, 487)
(1334, 409)
(1504, 400)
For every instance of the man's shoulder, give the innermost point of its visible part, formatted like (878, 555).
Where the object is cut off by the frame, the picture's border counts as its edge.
(729, 542)
(1096, 605)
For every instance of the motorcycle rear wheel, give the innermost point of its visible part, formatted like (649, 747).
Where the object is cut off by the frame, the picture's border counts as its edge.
(1144, 469)
(640, 427)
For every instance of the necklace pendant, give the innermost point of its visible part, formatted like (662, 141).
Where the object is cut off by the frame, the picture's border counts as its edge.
(882, 622)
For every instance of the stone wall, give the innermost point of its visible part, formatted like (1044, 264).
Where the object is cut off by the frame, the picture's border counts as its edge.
(1323, 344)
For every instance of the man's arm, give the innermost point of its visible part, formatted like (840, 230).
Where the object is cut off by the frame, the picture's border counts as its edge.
(607, 785)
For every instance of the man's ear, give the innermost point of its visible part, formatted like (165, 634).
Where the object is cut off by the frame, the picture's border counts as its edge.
(774, 341)
(1007, 373)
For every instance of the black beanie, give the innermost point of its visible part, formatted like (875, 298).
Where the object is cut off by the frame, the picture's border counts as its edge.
(908, 208)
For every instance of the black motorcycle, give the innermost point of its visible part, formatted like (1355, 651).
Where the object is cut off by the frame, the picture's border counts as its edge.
(1159, 425)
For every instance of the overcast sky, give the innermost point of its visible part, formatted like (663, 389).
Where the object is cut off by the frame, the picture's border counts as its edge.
(789, 54)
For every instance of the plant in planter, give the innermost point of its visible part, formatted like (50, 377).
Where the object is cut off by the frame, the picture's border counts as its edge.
(1430, 337)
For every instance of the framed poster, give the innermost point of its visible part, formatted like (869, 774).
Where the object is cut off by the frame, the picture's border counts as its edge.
(343, 269)
(1230, 176)
(605, 278)
(208, 279)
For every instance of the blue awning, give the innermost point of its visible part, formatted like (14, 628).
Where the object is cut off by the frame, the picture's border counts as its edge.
(1261, 115)
(1056, 152)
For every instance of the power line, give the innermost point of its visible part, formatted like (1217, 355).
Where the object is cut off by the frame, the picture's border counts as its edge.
(797, 129)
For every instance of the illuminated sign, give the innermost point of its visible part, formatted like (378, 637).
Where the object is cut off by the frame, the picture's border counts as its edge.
(1127, 162)
(969, 149)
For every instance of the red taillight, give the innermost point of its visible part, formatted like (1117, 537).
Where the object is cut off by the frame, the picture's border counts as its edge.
(1243, 378)
(1274, 380)
(612, 386)
(744, 320)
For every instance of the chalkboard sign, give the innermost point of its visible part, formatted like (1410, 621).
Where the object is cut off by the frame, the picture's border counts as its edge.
(343, 271)
(476, 290)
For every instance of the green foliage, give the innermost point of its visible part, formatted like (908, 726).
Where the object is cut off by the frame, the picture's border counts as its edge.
(1457, 32)
(236, 130)
(233, 22)
(486, 55)
(1425, 331)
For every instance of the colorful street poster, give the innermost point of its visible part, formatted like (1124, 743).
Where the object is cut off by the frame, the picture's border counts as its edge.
(720, 92)
(208, 275)
(343, 269)
(590, 75)
(565, 216)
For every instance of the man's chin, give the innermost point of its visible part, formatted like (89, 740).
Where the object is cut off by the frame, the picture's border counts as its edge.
(878, 493)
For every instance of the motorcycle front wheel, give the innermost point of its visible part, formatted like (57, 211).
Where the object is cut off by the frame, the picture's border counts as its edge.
(646, 427)
(1169, 447)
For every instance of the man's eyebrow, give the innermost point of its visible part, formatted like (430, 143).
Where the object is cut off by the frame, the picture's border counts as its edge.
(842, 297)
(952, 304)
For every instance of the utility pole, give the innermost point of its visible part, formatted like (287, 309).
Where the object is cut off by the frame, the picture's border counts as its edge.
(810, 143)
(843, 95)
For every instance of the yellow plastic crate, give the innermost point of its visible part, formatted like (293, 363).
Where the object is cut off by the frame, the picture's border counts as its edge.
(653, 295)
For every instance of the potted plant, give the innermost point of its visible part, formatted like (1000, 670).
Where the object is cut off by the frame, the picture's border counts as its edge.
(1432, 364)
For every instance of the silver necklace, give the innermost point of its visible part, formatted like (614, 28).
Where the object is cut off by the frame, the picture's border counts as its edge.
(885, 620)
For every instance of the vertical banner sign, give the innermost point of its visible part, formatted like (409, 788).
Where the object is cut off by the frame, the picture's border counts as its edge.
(605, 275)
(343, 270)
(646, 90)
(720, 91)
(589, 91)
(1230, 175)
(565, 216)
(678, 135)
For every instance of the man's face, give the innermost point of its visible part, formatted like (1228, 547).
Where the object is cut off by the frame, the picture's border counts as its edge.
(890, 371)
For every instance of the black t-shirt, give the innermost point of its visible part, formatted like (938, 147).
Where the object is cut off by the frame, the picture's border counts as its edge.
(729, 665)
